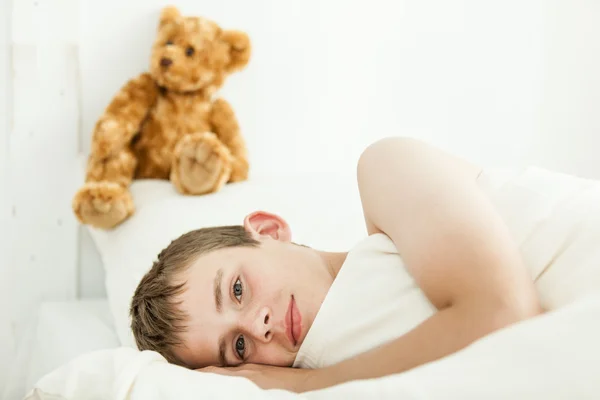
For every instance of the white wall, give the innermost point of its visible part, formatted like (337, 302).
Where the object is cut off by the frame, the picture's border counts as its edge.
(510, 82)
(500, 82)
(6, 334)
(569, 121)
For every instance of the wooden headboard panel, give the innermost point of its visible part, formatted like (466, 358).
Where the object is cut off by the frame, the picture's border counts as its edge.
(40, 154)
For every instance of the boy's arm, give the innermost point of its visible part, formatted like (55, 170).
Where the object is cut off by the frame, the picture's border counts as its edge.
(454, 244)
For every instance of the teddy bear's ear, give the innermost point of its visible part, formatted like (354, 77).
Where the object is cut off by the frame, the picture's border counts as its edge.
(239, 49)
(169, 15)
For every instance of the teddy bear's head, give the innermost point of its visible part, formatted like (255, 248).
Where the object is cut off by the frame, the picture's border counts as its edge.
(194, 53)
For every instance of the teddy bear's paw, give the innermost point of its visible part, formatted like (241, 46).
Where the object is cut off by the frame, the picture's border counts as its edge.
(102, 204)
(201, 164)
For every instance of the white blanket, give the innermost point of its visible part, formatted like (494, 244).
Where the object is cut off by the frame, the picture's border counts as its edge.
(554, 356)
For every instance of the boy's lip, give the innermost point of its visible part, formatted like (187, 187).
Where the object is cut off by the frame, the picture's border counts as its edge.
(293, 322)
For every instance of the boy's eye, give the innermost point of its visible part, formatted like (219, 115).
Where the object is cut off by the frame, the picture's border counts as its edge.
(237, 290)
(240, 346)
(169, 42)
(189, 51)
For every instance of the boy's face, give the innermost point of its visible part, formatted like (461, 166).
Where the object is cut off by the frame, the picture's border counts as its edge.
(252, 305)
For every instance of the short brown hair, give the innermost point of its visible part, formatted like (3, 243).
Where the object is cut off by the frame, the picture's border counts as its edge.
(156, 320)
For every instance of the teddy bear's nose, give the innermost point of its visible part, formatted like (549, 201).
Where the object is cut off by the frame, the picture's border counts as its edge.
(165, 62)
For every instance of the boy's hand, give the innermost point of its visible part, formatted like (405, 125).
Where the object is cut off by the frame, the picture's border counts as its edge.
(269, 377)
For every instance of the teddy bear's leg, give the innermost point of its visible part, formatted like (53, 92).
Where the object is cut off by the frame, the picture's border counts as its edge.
(104, 201)
(201, 164)
(226, 126)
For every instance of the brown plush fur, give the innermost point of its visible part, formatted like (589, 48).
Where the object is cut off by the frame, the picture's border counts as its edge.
(164, 124)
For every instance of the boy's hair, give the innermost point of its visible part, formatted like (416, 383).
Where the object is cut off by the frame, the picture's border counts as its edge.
(156, 320)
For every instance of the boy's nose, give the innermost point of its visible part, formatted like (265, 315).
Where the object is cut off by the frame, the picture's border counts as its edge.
(262, 326)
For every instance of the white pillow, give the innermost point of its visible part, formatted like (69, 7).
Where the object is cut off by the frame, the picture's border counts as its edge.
(324, 211)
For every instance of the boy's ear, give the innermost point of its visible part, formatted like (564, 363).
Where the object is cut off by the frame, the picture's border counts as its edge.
(261, 224)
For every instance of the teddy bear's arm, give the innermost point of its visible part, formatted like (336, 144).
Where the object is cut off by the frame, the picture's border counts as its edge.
(122, 118)
(225, 125)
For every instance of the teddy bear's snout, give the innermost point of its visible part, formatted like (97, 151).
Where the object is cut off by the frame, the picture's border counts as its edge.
(165, 62)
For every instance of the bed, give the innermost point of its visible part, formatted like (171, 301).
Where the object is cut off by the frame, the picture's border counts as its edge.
(84, 350)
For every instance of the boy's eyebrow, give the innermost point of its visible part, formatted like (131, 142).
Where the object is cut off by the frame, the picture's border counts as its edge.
(222, 358)
(217, 290)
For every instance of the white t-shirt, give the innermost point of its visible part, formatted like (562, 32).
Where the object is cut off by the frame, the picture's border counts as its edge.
(554, 218)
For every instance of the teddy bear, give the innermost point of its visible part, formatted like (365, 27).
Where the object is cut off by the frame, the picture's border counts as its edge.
(168, 123)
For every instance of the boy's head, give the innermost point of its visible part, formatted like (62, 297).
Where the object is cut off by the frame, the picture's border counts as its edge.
(231, 294)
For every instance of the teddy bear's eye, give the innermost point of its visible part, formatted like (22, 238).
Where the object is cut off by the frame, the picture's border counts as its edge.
(189, 51)
(169, 42)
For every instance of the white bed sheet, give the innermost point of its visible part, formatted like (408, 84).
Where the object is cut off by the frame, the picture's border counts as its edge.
(59, 332)
(551, 357)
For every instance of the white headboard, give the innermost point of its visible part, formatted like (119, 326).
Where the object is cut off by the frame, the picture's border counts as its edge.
(502, 83)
